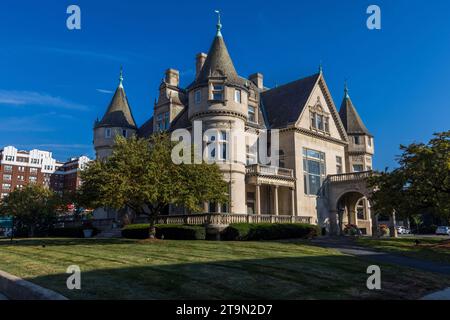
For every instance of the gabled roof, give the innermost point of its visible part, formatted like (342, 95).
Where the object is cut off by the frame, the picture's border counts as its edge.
(146, 130)
(218, 63)
(118, 113)
(350, 118)
(283, 105)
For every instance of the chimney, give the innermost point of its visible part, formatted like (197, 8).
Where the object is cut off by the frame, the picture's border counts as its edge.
(172, 77)
(200, 60)
(257, 79)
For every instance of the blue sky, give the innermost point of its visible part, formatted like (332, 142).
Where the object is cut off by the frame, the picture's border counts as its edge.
(54, 82)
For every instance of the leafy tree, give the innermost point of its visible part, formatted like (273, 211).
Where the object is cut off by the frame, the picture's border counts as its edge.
(32, 207)
(426, 168)
(421, 183)
(141, 175)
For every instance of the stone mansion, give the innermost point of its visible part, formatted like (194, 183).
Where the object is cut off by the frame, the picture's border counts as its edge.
(324, 153)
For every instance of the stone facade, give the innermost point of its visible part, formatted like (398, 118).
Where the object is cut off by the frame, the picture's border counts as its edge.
(316, 140)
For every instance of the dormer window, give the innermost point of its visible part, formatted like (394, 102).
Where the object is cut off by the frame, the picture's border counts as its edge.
(217, 92)
(108, 133)
(125, 133)
(251, 114)
(369, 141)
(198, 97)
(357, 140)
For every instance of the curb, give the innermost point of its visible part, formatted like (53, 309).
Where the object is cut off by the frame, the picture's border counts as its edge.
(16, 288)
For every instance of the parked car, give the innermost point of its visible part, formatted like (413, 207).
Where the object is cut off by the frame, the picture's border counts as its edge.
(443, 231)
(403, 230)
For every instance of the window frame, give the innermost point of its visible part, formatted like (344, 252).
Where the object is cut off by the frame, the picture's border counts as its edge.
(218, 89)
(198, 96)
(307, 159)
(108, 133)
(237, 95)
(339, 166)
(251, 119)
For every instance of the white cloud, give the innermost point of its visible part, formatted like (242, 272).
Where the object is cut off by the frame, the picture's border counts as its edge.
(104, 91)
(23, 98)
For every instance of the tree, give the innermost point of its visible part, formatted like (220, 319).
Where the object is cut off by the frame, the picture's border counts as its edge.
(421, 183)
(141, 175)
(427, 172)
(32, 207)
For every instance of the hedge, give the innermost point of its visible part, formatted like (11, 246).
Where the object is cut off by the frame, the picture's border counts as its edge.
(169, 231)
(74, 232)
(268, 231)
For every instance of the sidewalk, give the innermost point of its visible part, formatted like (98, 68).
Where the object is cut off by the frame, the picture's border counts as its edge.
(348, 246)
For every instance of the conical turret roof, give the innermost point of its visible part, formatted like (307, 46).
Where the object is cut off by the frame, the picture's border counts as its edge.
(219, 64)
(350, 118)
(118, 113)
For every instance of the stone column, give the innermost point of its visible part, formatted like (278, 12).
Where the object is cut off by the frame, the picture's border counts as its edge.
(275, 200)
(218, 208)
(333, 223)
(293, 211)
(257, 199)
(205, 207)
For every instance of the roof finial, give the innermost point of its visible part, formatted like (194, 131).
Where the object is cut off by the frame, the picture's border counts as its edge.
(219, 25)
(320, 67)
(121, 77)
(346, 89)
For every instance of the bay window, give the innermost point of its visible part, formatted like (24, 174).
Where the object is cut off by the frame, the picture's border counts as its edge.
(314, 170)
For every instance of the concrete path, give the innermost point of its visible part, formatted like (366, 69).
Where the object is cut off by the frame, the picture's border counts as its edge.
(348, 246)
(440, 295)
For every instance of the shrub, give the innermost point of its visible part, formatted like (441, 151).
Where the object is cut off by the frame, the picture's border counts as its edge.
(136, 231)
(427, 229)
(169, 231)
(180, 232)
(74, 232)
(267, 231)
(352, 230)
(384, 229)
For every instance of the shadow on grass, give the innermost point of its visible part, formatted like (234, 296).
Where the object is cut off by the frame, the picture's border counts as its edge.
(307, 277)
(62, 241)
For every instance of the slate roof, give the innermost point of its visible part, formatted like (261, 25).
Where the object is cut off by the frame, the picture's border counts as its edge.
(118, 113)
(350, 118)
(283, 105)
(146, 130)
(218, 63)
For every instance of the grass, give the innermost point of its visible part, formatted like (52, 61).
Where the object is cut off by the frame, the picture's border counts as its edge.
(132, 269)
(430, 248)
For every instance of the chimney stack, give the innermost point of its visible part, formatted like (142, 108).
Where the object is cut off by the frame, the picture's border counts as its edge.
(200, 60)
(257, 79)
(172, 77)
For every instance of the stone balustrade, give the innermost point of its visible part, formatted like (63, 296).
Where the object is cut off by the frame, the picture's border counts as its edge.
(218, 218)
(269, 171)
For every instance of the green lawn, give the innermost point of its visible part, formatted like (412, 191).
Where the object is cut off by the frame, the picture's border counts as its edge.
(131, 269)
(433, 249)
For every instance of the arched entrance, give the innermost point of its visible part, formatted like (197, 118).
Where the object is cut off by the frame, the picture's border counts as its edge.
(346, 200)
(353, 208)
